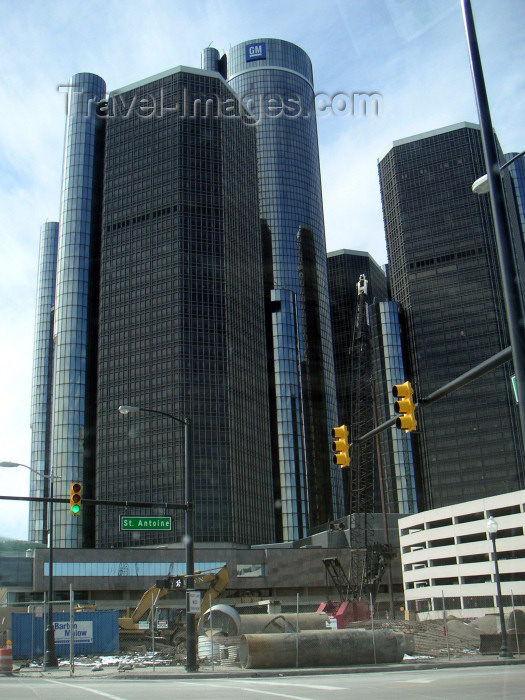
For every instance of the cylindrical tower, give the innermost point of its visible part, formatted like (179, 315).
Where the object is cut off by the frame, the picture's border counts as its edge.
(273, 78)
(42, 379)
(210, 59)
(76, 304)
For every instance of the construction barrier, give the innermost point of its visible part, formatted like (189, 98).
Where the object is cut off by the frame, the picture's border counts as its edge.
(6, 659)
(315, 648)
(93, 633)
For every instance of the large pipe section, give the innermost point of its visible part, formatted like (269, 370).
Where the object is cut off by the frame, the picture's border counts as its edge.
(316, 648)
(225, 619)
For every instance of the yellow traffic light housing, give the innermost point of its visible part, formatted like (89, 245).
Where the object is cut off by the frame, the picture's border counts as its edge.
(405, 406)
(340, 446)
(75, 498)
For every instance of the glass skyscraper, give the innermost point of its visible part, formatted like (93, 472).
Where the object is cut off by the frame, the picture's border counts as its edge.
(368, 362)
(274, 82)
(42, 379)
(76, 306)
(388, 368)
(353, 365)
(182, 314)
(444, 273)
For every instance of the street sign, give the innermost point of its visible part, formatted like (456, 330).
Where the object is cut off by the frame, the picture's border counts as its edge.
(515, 387)
(145, 522)
(193, 601)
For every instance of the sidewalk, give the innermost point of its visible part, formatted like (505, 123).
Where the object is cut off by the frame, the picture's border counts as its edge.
(207, 671)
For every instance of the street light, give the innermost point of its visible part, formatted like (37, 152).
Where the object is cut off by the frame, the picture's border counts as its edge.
(492, 529)
(50, 656)
(189, 527)
(481, 186)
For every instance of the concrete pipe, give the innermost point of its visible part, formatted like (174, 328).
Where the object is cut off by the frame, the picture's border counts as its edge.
(282, 622)
(227, 620)
(316, 648)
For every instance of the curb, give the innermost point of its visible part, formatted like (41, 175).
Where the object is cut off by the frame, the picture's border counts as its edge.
(162, 673)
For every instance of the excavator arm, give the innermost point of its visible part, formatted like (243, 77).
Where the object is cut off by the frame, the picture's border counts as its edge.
(218, 582)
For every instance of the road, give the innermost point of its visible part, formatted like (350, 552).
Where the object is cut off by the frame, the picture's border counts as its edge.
(488, 683)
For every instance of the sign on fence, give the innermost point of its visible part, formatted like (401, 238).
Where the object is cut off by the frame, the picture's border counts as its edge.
(94, 633)
(83, 632)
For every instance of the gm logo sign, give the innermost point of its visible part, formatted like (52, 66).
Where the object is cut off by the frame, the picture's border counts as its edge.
(255, 52)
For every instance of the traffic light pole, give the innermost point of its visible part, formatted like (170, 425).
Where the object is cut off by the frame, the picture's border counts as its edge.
(191, 634)
(478, 371)
(50, 656)
(508, 264)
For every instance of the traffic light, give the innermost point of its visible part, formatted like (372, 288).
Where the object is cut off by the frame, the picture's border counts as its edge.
(75, 498)
(340, 446)
(405, 406)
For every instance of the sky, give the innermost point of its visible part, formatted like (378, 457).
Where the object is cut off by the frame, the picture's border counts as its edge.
(412, 53)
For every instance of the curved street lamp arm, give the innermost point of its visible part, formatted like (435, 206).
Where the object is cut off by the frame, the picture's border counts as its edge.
(31, 469)
(136, 409)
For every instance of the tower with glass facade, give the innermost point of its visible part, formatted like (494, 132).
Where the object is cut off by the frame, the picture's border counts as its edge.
(76, 306)
(182, 313)
(367, 384)
(388, 368)
(42, 380)
(274, 82)
(444, 273)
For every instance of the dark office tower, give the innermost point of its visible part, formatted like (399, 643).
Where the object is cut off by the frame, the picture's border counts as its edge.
(344, 269)
(444, 272)
(353, 357)
(273, 78)
(76, 307)
(42, 382)
(396, 462)
(182, 322)
(514, 189)
(517, 173)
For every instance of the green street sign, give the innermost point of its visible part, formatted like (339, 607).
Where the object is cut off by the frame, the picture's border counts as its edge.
(515, 387)
(145, 522)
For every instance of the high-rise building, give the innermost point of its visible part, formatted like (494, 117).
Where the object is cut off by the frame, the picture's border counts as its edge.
(355, 280)
(42, 380)
(274, 81)
(396, 459)
(516, 170)
(76, 306)
(344, 270)
(182, 313)
(444, 272)
(191, 279)
(514, 192)
(369, 360)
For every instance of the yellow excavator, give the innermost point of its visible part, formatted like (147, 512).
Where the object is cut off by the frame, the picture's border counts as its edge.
(175, 632)
(217, 580)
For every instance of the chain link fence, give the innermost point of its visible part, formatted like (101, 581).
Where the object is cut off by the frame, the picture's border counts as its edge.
(235, 635)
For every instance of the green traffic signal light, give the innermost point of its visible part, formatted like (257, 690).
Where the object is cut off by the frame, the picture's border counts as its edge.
(75, 498)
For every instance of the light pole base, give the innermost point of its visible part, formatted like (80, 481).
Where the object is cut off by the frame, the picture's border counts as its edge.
(505, 654)
(50, 656)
